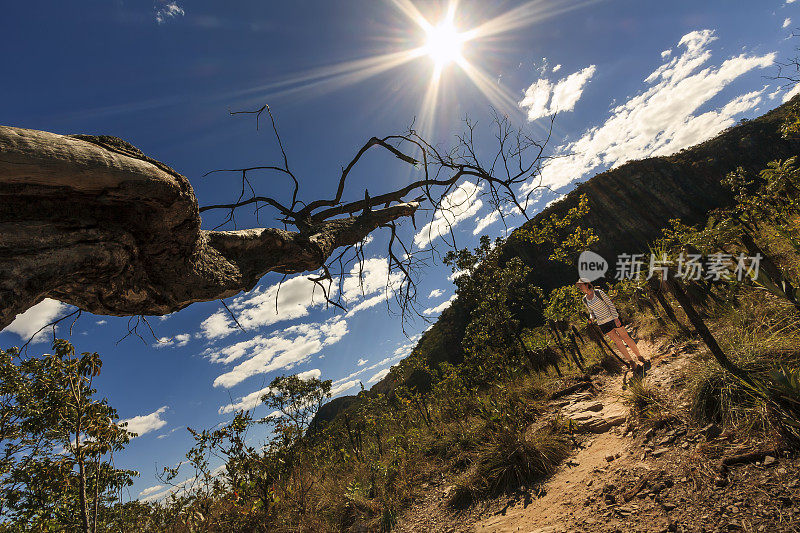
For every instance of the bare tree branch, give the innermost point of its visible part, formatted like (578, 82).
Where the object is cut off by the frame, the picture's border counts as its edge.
(121, 234)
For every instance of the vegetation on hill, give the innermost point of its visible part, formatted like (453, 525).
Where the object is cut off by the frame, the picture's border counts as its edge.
(470, 399)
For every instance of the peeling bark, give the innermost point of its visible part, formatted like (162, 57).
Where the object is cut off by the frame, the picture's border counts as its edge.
(93, 222)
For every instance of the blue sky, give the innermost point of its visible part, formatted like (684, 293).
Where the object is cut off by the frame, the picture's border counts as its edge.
(627, 79)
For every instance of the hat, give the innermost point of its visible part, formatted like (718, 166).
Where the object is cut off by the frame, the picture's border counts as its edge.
(583, 280)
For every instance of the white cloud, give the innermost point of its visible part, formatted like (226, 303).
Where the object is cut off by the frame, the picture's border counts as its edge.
(101, 322)
(348, 382)
(405, 349)
(460, 204)
(787, 22)
(282, 349)
(143, 424)
(544, 98)
(252, 400)
(365, 286)
(246, 402)
(181, 339)
(557, 68)
(456, 274)
(160, 495)
(369, 282)
(344, 386)
(168, 433)
(661, 120)
(362, 362)
(789, 95)
(370, 278)
(486, 221)
(167, 11)
(289, 300)
(150, 490)
(439, 308)
(435, 293)
(217, 325)
(379, 375)
(666, 53)
(366, 304)
(28, 323)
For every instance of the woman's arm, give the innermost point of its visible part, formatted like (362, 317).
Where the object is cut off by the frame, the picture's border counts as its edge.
(589, 308)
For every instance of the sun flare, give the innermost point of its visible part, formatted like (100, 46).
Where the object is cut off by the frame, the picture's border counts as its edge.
(444, 44)
(449, 48)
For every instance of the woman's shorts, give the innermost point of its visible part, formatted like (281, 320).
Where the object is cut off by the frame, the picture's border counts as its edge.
(605, 327)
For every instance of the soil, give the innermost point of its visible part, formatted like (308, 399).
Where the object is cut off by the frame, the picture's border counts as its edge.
(628, 478)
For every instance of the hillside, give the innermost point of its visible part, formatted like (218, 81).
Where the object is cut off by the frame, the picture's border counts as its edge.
(515, 412)
(629, 206)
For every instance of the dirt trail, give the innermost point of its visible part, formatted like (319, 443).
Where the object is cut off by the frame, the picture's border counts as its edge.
(561, 505)
(601, 418)
(628, 479)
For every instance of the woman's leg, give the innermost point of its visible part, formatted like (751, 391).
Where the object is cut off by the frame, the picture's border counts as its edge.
(614, 336)
(623, 334)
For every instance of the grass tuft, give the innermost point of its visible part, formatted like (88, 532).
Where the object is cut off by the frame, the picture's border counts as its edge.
(760, 336)
(511, 458)
(648, 404)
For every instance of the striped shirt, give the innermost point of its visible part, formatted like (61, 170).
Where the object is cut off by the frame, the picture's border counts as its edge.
(601, 309)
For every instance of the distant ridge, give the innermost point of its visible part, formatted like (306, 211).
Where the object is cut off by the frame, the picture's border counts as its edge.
(629, 207)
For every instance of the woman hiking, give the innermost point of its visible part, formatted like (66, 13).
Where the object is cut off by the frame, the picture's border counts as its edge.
(603, 312)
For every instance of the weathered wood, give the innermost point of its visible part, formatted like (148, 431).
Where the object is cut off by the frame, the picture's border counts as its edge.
(749, 457)
(93, 222)
(569, 390)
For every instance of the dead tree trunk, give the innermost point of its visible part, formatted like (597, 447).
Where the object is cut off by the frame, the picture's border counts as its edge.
(700, 326)
(555, 329)
(93, 222)
(575, 347)
(654, 285)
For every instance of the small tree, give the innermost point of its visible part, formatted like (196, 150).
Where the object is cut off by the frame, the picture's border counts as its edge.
(266, 475)
(296, 401)
(500, 297)
(563, 234)
(58, 441)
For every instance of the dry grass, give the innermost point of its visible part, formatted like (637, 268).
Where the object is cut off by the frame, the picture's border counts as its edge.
(760, 336)
(510, 458)
(649, 404)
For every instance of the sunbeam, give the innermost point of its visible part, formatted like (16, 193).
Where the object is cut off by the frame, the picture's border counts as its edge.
(337, 76)
(498, 96)
(442, 42)
(428, 109)
(410, 10)
(525, 15)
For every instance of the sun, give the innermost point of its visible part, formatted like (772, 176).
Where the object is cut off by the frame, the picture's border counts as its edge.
(444, 43)
(454, 52)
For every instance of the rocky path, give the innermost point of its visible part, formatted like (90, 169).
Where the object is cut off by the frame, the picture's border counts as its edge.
(627, 479)
(599, 415)
(561, 505)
